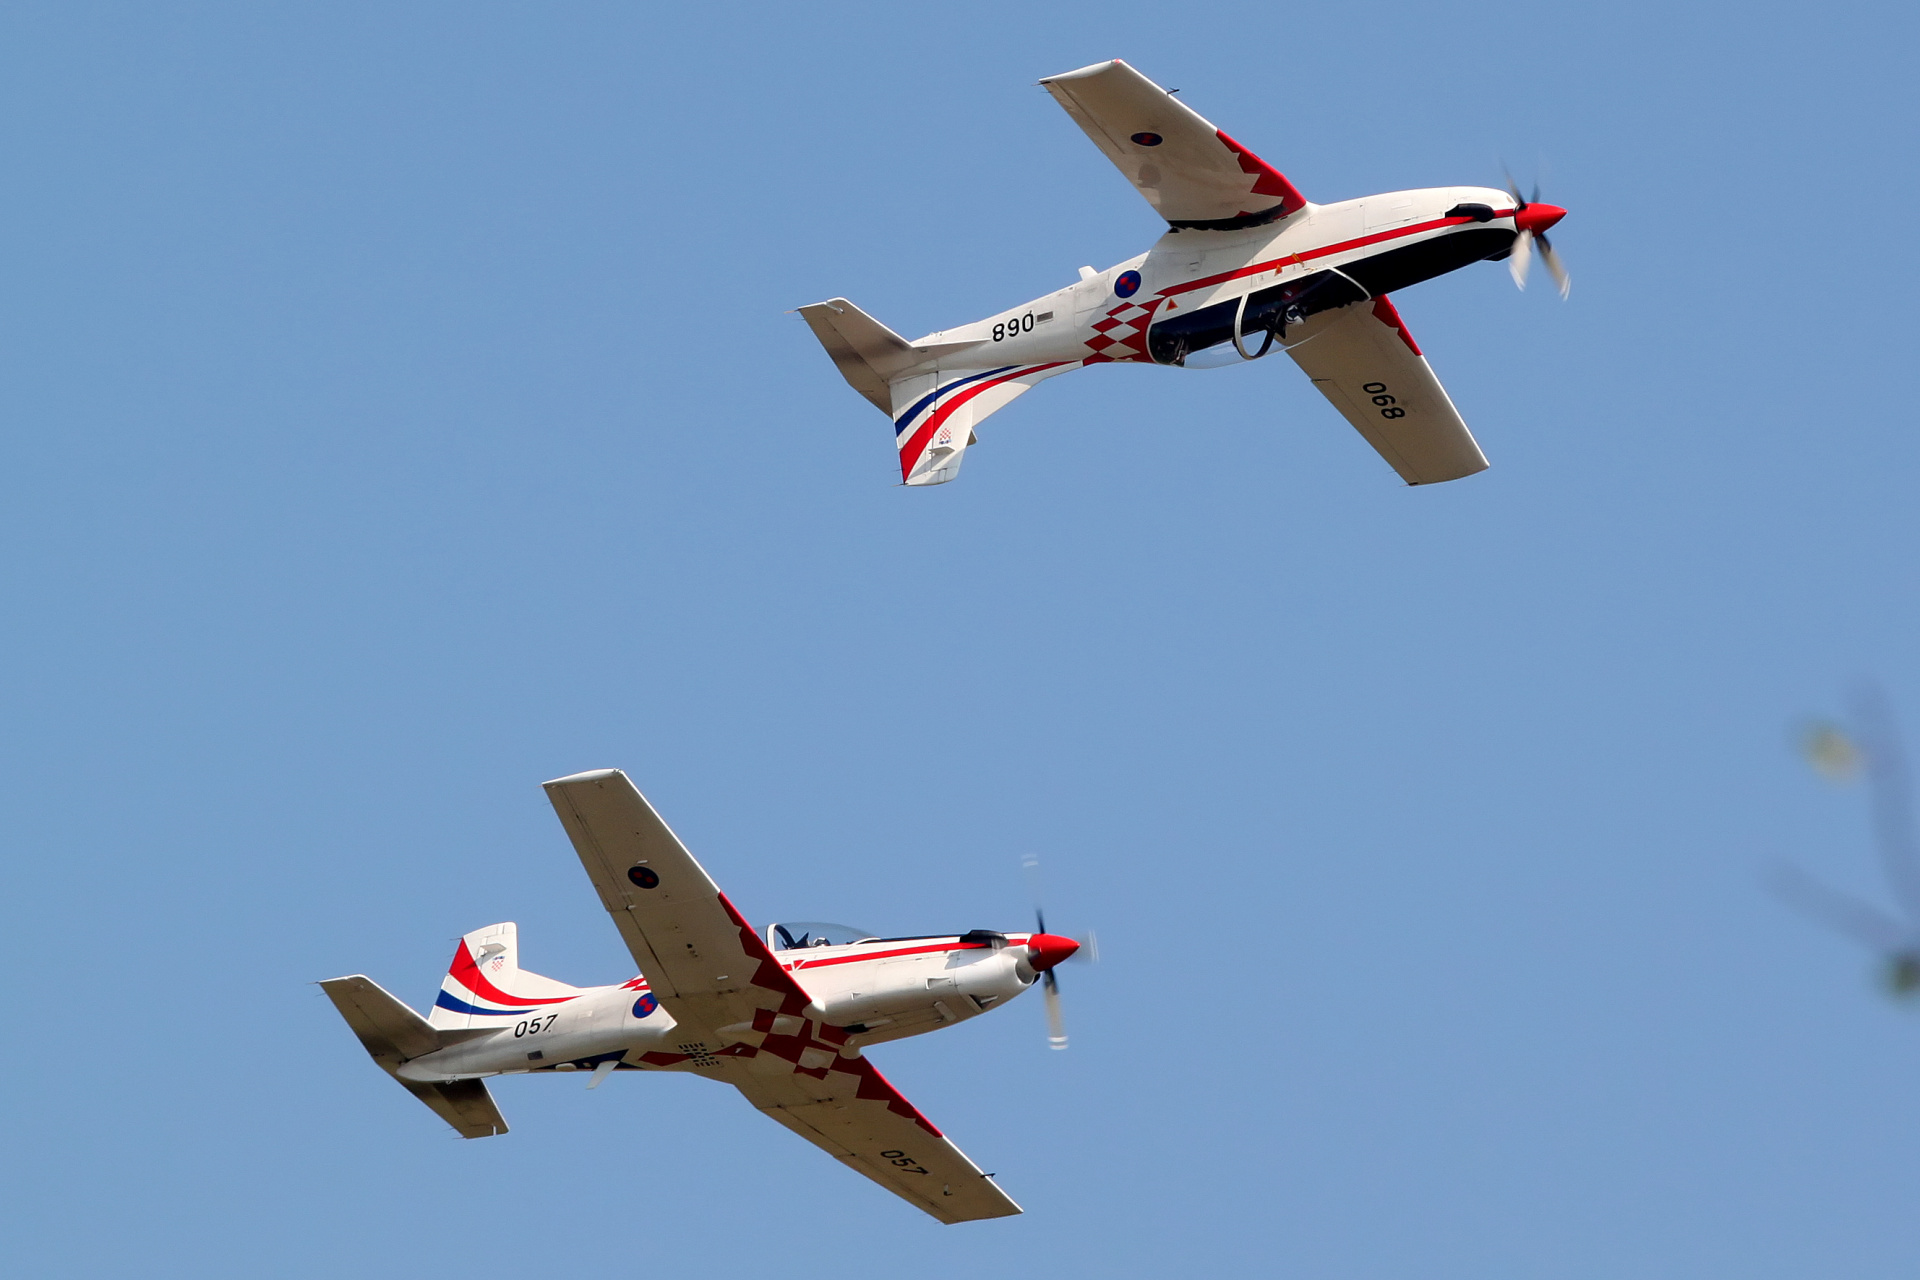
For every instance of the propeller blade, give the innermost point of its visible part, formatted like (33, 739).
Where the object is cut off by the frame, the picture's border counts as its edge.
(1056, 1025)
(1521, 259)
(1887, 792)
(1513, 189)
(1049, 980)
(1031, 865)
(1841, 912)
(1089, 951)
(1554, 269)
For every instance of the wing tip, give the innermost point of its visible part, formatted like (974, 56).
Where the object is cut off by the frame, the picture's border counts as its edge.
(1081, 73)
(591, 775)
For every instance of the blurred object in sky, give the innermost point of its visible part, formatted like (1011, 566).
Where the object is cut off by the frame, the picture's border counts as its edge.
(1830, 751)
(1873, 747)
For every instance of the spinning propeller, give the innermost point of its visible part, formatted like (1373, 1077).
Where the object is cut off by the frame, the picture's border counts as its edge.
(1050, 950)
(1533, 219)
(1875, 751)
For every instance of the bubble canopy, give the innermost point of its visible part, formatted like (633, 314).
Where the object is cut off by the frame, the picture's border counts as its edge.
(796, 934)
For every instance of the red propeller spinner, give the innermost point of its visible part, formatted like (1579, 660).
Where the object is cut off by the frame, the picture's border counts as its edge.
(1049, 949)
(1538, 218)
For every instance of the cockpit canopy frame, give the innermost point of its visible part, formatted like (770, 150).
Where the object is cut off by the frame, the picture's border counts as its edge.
(799, 935)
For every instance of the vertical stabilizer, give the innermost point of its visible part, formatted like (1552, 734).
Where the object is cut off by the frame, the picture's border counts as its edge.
(934, 414)
(486, 987)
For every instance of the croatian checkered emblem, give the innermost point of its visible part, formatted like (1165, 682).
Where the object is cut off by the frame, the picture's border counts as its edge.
(1122, 333)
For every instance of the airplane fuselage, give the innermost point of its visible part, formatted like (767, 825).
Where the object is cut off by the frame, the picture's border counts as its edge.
(862, 994)
(1183, 294)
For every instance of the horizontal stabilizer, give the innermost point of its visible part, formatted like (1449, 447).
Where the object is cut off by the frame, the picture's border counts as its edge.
(868, 354)
(392, 1033)
(464, 1104)
(388, 1029)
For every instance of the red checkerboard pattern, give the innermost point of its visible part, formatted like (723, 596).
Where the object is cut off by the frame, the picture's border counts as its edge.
(1121, 335)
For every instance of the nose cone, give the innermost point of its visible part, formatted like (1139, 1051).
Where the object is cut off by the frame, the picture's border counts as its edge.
(1538, 217)
(1049, 949)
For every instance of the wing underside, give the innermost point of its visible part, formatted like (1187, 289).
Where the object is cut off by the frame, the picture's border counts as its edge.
(742, 1018)
(705, 964)
(1368, 366)
(1190, 172)
(850, 1111)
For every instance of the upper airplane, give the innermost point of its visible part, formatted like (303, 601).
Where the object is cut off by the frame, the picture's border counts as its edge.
(782, 1016)
(1245, 256)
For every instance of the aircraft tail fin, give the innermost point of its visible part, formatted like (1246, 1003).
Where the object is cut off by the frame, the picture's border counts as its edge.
(391, 1033)
(934, 413)
(934, 405)
(485, 987)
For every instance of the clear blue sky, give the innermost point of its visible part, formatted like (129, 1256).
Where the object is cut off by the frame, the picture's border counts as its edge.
(401, 408)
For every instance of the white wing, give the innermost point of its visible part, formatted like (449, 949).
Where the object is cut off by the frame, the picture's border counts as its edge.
(703, 961)
(1364, 361)
(849, 1110)
(1191, 172)
(743, 1016)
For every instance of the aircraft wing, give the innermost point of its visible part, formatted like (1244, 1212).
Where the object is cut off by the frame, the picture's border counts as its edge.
(1193, 174)
(849, 1110)
(744, 1014)
(702, 960)
(1364, 361)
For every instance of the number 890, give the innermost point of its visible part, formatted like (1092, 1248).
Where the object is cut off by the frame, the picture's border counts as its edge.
(1378, 390)
(1013, 328)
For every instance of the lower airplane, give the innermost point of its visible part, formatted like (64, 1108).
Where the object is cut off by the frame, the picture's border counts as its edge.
(1245, 256)
(781, 1016)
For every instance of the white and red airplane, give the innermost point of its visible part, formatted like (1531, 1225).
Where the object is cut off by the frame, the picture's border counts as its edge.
(1245, 256)
(783, 1017)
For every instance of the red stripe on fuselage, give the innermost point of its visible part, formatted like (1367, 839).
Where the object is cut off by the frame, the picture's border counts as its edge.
(898, 951)
(1307, 255)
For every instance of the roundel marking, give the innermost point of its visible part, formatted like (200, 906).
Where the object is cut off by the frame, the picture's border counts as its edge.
(1127, 284)
(645, 877)
(1147, 139)
(645, 1005)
